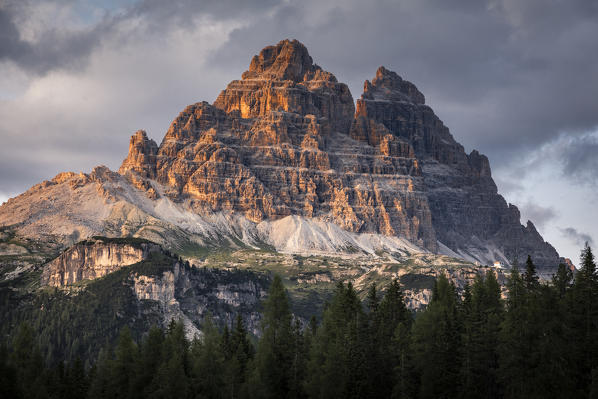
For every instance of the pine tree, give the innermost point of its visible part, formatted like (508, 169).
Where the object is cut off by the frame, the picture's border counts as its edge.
(482, 311)
(123, 367)
(274, 356)
(530, 276)
(436, 339)
(208, 362)
(337, 364)
(584, 321)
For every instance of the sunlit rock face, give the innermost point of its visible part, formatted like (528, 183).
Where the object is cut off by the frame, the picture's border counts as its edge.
(277, 143)
(93, 259)
(286, 142)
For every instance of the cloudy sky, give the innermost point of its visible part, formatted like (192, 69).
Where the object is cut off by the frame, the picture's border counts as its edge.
(515, 79)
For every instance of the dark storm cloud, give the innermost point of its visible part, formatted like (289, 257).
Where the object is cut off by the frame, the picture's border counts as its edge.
(505, 76)
(540, 215)
(55, 48)
(67, 47)
(576, 237)
(580, 158)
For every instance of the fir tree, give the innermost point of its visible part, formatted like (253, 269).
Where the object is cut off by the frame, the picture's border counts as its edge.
(274, 356)
(481, 316)
(436, 338)
(337, 355)
(584, 320)
(530, 277)
(208, 363)
(562, 280)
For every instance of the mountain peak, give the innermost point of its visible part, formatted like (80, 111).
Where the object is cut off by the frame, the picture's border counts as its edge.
(286, 140)
(287, 60)
(390, 86)
(142, 155)
(284, 78)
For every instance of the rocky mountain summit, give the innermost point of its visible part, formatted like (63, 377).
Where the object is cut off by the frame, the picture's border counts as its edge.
(284, 158)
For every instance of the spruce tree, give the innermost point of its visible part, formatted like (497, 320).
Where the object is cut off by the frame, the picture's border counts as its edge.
(482, 311)
(238, 353)
(562, 280)
(208, 363)
(584, 321)
(530, 277)
(337, 364)
(518, 340)
(436, 340)
(172, 378)
(8, 375)
(274, 357)
(28, 361)
(149, 361)
(123, 366)
(391, 314)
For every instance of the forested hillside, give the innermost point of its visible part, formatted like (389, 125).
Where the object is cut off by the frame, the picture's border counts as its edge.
(539, 342)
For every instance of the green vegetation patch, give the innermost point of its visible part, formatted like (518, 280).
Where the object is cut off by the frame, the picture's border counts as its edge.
(412, 281)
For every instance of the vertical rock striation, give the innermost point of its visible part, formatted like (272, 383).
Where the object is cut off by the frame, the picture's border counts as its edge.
(92, 259)
(287, 141)
(277, 143)
(468, 214)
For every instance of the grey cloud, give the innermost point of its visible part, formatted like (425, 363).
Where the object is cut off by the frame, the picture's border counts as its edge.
(538, 214)
(508, 77)
(11, 44)
(580, 158)
(57, 47)
(576, 237)
(505, 76)
(70, 46)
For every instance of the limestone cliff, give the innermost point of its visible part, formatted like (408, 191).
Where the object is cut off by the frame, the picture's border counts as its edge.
(468, 214)
(283, 157)
(94, 258)
(276, 143)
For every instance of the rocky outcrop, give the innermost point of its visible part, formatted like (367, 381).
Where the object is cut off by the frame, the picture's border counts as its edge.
(286, 143)
(94, 258)
(188, 294)
(276, 143)
(468, 214)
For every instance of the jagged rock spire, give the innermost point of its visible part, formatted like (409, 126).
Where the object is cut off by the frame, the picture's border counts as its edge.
(288, 60)
(142, 155)
(284, 78)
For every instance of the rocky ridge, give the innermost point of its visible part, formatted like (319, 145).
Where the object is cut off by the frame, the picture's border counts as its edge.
(284, 158)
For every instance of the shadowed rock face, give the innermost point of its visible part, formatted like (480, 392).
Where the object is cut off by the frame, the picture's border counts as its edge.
(468, 214)
(287, 140)
(277, 143)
